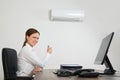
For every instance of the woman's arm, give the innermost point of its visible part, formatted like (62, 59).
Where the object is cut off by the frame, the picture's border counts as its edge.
(35, 60)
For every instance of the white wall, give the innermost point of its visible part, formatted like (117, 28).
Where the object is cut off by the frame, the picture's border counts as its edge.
(72, 42)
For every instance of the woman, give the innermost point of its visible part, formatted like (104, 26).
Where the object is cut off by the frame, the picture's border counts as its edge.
(28, 62)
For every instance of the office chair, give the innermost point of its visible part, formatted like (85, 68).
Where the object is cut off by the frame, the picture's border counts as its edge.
(9, 60)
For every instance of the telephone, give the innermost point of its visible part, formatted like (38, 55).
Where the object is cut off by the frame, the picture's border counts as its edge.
(63, 73)
(80, 73)
(77, 72)
(86, 73)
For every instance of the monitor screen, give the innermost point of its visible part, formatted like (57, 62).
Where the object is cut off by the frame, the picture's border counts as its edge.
(102, 57)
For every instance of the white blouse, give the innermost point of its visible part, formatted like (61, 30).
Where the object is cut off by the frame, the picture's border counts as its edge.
(27, 60)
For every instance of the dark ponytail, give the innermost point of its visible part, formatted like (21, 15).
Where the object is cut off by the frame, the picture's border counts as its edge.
(29, 32)
(24, 42)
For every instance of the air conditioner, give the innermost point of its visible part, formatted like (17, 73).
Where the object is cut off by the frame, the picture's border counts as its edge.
(67, 15)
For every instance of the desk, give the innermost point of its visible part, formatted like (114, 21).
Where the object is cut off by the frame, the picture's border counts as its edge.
(47, 74)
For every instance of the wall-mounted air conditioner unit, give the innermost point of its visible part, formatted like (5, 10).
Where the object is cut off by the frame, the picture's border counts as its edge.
(67, 15)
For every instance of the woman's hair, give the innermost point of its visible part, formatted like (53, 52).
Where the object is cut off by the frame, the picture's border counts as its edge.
(29, 32)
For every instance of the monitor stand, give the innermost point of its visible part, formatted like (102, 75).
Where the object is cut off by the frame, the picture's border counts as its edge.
(109, 69)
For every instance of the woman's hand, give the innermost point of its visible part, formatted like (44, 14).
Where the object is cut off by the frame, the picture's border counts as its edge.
(49, 49)
(37, 69)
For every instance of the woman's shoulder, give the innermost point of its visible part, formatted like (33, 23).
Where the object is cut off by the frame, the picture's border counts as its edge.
(27, 49)
(24, 51)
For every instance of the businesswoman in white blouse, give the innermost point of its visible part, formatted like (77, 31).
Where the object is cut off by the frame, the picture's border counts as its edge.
(28, 62)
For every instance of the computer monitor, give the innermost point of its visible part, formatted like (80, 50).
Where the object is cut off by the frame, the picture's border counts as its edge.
(102, 57)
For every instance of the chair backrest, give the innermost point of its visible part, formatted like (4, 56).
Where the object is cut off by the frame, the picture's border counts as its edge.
(9, 60)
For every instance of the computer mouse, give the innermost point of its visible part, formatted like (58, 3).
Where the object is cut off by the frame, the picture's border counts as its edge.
(88, 74)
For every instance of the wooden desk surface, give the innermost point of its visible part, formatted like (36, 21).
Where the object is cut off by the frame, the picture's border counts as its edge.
(47, 74)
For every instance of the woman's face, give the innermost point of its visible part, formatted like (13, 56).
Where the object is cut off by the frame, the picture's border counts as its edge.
(32, 40)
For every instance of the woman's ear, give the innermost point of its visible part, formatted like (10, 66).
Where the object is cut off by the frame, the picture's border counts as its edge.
(27, 37)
